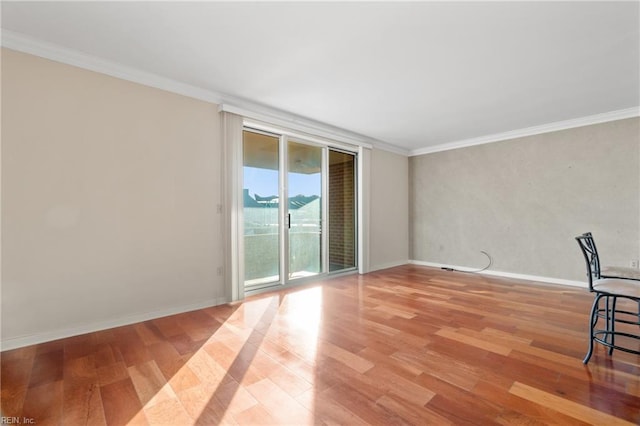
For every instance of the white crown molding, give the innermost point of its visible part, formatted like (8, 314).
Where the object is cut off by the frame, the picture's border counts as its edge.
(34, 339)
(391, 148)
(20, 42)
(276, 118)
(533, 278)
(530, 131)
(23, 43)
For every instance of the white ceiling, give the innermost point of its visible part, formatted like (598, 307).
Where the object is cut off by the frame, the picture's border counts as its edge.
(414, 75)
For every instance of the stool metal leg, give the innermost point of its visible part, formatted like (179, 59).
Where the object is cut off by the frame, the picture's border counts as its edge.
(592, 324)
(612, 324)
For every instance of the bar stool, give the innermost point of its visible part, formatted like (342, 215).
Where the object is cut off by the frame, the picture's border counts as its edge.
(609, 290)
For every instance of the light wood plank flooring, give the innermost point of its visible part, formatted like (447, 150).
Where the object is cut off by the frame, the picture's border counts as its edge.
(408, 345)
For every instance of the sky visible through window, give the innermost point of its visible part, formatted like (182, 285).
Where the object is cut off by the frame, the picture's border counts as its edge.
(264, 182)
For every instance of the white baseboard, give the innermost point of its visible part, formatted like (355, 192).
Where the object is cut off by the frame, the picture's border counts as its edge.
(388, 265)
(33, 339)
(534, 278)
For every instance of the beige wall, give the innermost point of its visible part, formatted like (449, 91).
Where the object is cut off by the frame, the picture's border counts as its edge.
(109, 196)
(389, 239)
(110, 192)
(524, 200)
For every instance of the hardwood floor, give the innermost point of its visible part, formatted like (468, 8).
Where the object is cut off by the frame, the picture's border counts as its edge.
(408, 345)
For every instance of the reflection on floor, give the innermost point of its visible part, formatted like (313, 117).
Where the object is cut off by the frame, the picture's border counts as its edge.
(405, 345)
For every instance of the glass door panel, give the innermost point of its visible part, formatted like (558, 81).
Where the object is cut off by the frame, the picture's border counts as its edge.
(261, 208)
(304, 179)
(299, 210)
(342, 211)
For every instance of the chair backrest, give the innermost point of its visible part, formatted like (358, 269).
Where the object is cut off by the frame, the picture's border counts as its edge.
(588, 247)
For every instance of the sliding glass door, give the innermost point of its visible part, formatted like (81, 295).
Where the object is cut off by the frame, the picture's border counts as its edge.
(299, 211)
(342, 211)
(261, 213)
(304, 209)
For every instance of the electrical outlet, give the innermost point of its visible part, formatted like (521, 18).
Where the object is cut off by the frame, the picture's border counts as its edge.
(635, 263)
